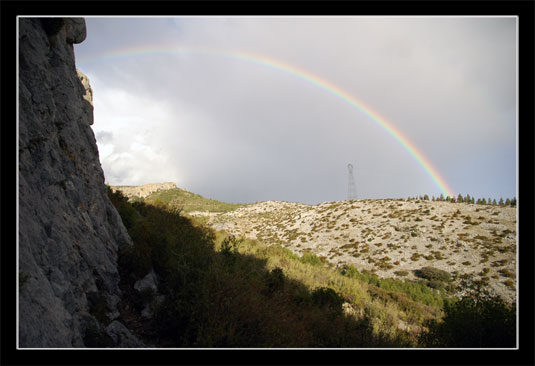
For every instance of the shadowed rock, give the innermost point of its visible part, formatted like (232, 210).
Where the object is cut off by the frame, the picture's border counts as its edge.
(69, 232)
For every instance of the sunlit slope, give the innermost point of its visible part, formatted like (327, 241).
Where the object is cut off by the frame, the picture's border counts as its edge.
(190, 202)
(219, 290)
(391, 238)
(388, 237)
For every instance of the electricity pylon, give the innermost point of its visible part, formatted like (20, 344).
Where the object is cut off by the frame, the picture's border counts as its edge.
(351, 187)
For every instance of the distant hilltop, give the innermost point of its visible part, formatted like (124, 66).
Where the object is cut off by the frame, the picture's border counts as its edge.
(144, 190)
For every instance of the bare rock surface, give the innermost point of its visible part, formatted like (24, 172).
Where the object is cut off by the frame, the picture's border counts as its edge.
(122, 337)
(69, 232)
(149, 281)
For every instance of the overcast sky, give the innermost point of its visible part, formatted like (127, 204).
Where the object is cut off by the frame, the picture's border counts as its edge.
(235, 130)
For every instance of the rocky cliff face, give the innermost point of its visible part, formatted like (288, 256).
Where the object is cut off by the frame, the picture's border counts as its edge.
(144, 190)
(69, 232)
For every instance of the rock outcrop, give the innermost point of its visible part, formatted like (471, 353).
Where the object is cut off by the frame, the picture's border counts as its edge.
(144, 190)
(69, 232)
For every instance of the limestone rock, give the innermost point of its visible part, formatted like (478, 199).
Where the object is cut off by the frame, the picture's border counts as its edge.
(149, 281)
(122, 337)
(69, 232)
(88, 95)
(75, 30)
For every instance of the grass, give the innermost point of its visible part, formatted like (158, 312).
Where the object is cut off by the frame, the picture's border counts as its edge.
(225, 291)
(222, 291)
(187, 201)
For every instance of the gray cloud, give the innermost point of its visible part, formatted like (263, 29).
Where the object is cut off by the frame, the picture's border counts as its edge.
(237, 131)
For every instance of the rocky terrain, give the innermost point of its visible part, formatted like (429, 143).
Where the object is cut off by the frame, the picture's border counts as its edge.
(389, 237)
(69, 231)
(144, 190)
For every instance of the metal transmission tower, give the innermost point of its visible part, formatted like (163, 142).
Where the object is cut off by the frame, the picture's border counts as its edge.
(351, 187)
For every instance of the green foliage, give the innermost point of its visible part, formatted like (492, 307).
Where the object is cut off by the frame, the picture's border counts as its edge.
(230, 292)
(188, 202)
(239, 295)
(417, 291)
(311, 258)
(478, 320)
(326, 297)
(431, 273)
(126, 211)
(229, 248)
(274, 281)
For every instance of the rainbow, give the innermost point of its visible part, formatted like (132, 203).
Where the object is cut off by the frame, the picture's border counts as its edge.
(301, 74)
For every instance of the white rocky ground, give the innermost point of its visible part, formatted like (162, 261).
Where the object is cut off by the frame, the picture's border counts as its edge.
(386, 236)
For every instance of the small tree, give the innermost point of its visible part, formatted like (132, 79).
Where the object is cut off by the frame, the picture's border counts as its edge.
(508, 202)
(501, 202)
(426, 197)
(460, 198)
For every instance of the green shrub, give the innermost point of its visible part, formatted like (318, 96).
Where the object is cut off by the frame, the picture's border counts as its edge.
(478, 320)
(274, 281)
(311, 258)
(431, 273)
(436, 284)
(126, 210)
(229, 248)
(327, 297)
(402, 273)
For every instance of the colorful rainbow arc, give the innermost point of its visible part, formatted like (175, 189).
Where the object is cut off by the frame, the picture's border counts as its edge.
(308, 77)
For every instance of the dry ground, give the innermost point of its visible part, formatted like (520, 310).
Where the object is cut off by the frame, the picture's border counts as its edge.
(387, 236)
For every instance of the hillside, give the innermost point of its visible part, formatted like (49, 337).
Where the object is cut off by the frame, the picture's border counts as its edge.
(169, 193)
(187, 285)
(387, 237)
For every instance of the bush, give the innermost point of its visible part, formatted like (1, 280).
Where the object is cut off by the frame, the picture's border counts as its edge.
(402, 273)
(431, 273)
(274, 281)
(478, 320)
(327, 297)
(229, 248)
(126, 210)
(311, 259)
(436, 284)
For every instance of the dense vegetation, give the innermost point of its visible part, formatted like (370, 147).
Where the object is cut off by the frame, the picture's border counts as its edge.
(217, 290)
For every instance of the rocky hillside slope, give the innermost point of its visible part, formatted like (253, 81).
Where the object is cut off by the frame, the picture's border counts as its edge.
(144, 190)
(391, 238)
(69, 232)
